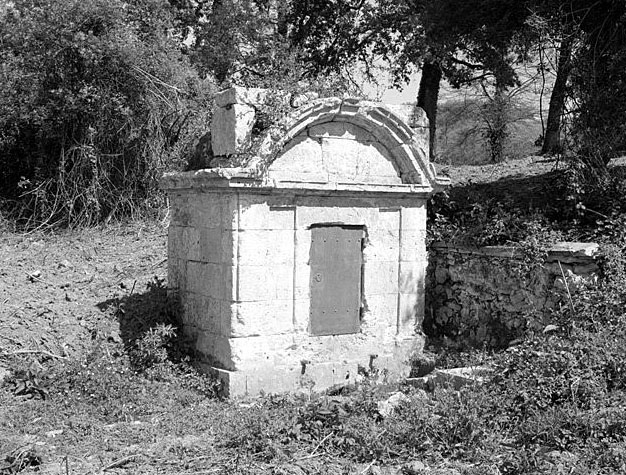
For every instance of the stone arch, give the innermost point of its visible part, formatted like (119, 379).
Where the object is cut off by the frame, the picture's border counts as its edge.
(378, 140)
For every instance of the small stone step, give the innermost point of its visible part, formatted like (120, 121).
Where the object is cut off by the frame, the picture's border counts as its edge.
(454, 378)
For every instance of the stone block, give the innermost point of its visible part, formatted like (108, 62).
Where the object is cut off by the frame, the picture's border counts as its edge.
(352, 347)
(441, 275)
(175, 247)
(411, 276)
(349, 162)
(191, 243)
(382, 245)
(302, 309)
(265, 247)
(388, 219)
(301, 161)
(410, 311)
(302, 246)
(380, 278)
(302, 282)
(215, 245)
(414, 218)
(381, 309)
(215, 350)
(333, 214)
(229, 211)
(253, 96)
(340, 130)
(180, 211)
(265, 283)
(259, 351)
(454, 378)
(570, 251)
(413, 245)
(258, 214)
(231, 128)
(210, 280)
(261, 318)
(205, 313)
(272, 380)
(208, 208)
(176, 274)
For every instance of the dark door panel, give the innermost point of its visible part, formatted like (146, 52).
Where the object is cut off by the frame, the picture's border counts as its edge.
(336, 259)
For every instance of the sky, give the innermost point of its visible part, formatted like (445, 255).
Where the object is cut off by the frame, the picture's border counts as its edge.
(391, 95)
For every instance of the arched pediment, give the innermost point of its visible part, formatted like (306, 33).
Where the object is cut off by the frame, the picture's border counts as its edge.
(344, 141)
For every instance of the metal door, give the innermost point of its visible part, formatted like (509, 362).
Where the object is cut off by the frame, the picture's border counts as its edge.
(336, 260)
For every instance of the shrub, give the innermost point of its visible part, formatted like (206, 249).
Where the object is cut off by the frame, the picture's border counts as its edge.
(97, 102)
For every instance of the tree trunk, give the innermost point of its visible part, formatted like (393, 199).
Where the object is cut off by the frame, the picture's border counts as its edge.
(552, 137)
(497, 120)
(427, 98)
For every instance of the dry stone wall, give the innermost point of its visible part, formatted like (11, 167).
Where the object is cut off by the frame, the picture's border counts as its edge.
(491, 295)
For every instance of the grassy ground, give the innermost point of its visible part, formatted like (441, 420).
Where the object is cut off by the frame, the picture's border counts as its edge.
(95, 381)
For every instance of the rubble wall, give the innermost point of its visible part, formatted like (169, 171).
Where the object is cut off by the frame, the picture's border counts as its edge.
(489, 296)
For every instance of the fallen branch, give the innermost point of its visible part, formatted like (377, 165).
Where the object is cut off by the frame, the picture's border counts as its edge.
(314, 454)
(120, 462)
(35, 352)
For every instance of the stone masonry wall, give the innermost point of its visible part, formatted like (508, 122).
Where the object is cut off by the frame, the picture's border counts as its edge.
(490, 296)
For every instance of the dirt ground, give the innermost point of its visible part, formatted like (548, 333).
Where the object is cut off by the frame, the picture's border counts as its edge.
(56, 290)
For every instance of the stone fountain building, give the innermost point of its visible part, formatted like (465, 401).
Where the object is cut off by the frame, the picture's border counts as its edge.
(304, 266)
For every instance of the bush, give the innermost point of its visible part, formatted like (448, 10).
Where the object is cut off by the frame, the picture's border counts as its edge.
(97, 102)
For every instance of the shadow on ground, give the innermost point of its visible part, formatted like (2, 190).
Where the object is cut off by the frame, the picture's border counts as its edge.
(140, 312)
(522, 193)
(545, 193)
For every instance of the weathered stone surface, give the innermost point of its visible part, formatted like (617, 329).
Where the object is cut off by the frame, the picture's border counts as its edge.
(241, 95)
(413, 244)
(380, 278)
(302, 161)
(255, 213)
(4, 374)
(562, 250)
(381, 309)
(210, 280)
(387, 407)
(382, 245)
(411, 276)
(410, 313)
(274, 317)
(265, 247)
(231, 128)
(264, 283)
(454, 378)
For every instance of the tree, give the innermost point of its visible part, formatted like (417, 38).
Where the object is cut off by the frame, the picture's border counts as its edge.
(598, 80)
(590, 65)
(95, 100)
(552, 136)
(463, 41)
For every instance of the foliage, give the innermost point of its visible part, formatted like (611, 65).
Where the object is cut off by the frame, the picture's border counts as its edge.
(93, 109)
(465, 123)
(598, 83)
